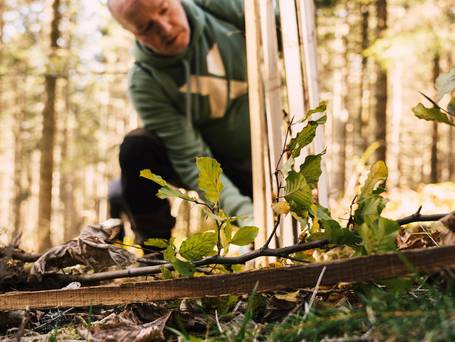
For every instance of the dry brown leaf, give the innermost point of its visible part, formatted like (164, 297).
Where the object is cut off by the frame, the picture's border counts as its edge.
(93, 248)
(420, 237)
(125, 327)
(449, 221)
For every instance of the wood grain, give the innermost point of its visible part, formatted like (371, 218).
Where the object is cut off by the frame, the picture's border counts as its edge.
(350, 270)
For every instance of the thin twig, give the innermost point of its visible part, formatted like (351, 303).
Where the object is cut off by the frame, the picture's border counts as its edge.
(272, 234)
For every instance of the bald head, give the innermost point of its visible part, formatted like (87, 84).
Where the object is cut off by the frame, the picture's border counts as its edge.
(118, 8)
(161, 25)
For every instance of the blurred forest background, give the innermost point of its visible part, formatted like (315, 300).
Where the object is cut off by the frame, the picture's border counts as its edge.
(64, 107)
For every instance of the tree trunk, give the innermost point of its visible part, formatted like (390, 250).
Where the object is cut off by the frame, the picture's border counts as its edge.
(434, 134)
(47, 143)
(339, 115)
(21, 193)
(361, 120)
(380, 112)
(451, 159)
(394, 161)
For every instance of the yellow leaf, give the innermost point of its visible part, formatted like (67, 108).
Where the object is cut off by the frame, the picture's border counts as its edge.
(281, 208)
(289, 296)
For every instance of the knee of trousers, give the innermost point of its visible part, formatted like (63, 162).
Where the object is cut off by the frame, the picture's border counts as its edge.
(140, 147)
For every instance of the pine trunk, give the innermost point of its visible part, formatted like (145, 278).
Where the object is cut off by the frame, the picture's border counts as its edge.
(434, 132)
(339, 115)
(360, 121)
(380, 111)
(47, 143)
(20, 194)
(451, 159)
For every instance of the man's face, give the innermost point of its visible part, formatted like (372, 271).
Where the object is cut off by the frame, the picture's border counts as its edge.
(161, 25)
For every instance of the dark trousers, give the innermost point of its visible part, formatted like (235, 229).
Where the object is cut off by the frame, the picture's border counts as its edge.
(150, 216)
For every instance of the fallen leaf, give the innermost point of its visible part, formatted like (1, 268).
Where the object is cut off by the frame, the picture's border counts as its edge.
(125, 327)
(93, 248)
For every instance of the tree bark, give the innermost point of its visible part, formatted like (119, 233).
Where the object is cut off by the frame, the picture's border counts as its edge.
(47, 142)
(21, 192)
(434, 175)
(339, 114)
(360, 121)
(394, 154)
(380, 112)
(451, 159)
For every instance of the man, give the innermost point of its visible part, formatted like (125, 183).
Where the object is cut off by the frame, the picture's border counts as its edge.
(188, 85)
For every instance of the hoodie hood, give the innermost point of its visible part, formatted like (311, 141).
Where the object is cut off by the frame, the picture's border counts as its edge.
(196, 20)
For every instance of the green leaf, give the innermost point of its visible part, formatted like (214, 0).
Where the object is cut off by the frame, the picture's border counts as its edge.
(319, 109)
(158, 243)
(198, 246)
(333, 230)
(431, 114)
(378, 174)
(245, 235)
(210, 178)
(186, 269)
(226, 236)
(311, 169)
(287, 167)
(167, 190)
(303, 138)
(169, 253)
(369, 209)
(451, 106)
(379, 236)
(166, 273)
(297, 191)
(445, 84)
(342, 236)
(322, 120)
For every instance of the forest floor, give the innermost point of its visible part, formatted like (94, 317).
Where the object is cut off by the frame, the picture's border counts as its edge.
(414, 308)
(406, 309)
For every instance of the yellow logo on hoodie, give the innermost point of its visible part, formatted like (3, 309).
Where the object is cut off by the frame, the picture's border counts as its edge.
(216, 87)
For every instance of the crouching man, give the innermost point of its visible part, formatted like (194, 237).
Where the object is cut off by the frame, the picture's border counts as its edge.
(188, 85)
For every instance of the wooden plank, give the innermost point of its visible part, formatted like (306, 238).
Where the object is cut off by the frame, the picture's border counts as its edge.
(350, 270)
(261, 193)
(306, 15)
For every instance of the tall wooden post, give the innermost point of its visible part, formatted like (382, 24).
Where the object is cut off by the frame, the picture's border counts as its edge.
(306, 15)
(264, 79)
(263, 215)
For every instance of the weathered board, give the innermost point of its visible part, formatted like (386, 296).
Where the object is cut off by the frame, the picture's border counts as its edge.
(350, 270)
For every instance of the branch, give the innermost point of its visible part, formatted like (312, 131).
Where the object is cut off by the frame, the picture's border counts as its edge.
(17, 254)
(417, 217)
(149, 270)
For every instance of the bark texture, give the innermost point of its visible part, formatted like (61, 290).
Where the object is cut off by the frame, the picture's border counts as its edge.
(47, 141)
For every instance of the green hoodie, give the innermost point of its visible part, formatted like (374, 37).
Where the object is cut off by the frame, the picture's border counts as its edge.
(197, 102)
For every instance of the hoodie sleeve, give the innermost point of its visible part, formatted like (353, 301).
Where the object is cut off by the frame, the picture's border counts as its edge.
(228, 10)
(183, 143)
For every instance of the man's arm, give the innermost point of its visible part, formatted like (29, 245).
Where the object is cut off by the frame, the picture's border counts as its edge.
(228, 10)
(183, 143)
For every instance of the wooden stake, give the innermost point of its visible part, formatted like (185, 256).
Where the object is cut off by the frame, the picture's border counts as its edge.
(294, 84)
(272, 87)
(263, 215)
(307, 25)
